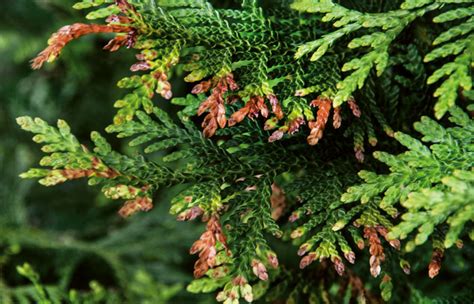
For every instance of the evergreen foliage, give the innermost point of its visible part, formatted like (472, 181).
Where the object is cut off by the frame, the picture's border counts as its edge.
(258, 183)
(70, 235)
(433, 183)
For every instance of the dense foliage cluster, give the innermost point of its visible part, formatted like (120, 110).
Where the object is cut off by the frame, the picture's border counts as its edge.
(264, 170)
(70, 235)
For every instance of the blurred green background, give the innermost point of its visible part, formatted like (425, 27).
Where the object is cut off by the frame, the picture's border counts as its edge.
(70, 234)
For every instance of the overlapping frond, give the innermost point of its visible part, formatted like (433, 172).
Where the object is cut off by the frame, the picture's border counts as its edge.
(432, 182)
